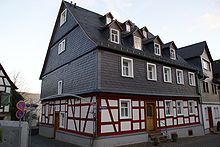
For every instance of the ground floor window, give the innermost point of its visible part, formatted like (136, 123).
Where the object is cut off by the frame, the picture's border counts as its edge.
(125, 108)
(216, 112)
(168, 107)
(191, 107)
(62, 119)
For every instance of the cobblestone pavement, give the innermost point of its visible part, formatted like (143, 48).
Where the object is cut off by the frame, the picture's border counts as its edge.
(211, 140)
(39, 141)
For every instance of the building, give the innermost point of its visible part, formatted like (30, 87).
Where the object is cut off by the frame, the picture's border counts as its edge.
(107, 83)
(216, 74)
(6, 88)
(198, 55)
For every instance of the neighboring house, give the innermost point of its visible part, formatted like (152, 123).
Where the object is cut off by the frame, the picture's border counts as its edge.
(6, 88)
(216, 73)
(34, 105)
(198, 55)
(107, 83)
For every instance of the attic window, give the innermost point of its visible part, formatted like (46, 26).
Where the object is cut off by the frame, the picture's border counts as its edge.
(157, 50)
(145, 34)
(114, 35)
(137, 42)
(61, 47)
(173, 54)
(63, 17)
(128, 28)
(108, 19)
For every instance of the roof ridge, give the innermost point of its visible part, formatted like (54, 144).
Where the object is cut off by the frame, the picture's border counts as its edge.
(191, 45)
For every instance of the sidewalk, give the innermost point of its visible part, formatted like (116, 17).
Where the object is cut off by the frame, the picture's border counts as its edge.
(210, 140)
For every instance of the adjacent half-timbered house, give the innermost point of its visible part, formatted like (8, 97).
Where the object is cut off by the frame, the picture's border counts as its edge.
(107, 83)
(198, 55)
(6, 88)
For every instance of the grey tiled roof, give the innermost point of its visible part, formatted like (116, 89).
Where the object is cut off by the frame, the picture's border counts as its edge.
(92, 25)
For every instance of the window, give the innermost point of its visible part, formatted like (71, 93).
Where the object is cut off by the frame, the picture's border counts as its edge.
(127, 67)
(137, 42)
(179, 107)
(128, 28)
(63, 17)
(205, 87)
(179, 77)
(62, 120)
(61, 47)
(173, 54)
(60, 87)
(125, 108)
(167, 76)
(168, 107)
(151, 71)
(108, 20)
(157, 50)
(192, 80)
(114, 35)
(214, 89)
(145, 34)
(191, 107)
(216, 112)
(206, 64)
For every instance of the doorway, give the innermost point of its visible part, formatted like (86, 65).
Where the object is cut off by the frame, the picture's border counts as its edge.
(210, 117)
(150, 116)
(56, 122)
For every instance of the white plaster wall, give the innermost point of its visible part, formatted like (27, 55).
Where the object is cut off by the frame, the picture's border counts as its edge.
(107, 128)
(125, 125)
(84, 110)
(135, 114)
(135, 103)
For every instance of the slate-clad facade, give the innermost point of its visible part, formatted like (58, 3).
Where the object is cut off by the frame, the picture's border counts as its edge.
(107, 83)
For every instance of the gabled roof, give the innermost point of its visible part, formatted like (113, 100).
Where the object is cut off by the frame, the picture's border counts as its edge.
(216, 67)
(144, 28)
(168, 45)
(6, 75)
(135, 29)
(109, 14)
(114, 21)
(146, 41)
(194, 50)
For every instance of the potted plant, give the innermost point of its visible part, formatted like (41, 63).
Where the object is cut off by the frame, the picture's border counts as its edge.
(156, 141)
(174, 137)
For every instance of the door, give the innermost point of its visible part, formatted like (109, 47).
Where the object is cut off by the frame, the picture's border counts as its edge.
(56, 122)
(210, 117)
(150, 116)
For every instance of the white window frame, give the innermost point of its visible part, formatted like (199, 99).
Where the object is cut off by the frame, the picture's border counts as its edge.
(169, 76)
(171, 108)
(62, 120)
(154, 72)
(193, 106)
(62, 46)
(130, 67)
(113, 39)
(192, 82)
(145, 33)
(181, 107)
(157, 51)
(59, 87)
(206, 64)
(63, 17)
(216, 113)
(128, 27)
(172, 54)
(129, 108)
(108, 19)
(181, 78)
(137, 43)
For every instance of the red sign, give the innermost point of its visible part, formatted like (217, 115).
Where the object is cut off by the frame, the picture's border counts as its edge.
(21, 105)
(19, 114)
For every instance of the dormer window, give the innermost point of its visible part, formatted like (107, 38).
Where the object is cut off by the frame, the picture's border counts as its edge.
(114, 35)
(128, 28)
(108, 19)
(157, 50)
(63, 17)
(172, 54)
(145, 34)
(137, 42)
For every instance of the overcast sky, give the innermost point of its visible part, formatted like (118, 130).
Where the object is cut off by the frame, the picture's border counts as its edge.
(26, 27)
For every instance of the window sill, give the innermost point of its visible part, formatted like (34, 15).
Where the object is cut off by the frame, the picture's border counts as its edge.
(152, 80)
(180, 114)
(180, 83)
(122, 118)
(127, 76)
(169, 82)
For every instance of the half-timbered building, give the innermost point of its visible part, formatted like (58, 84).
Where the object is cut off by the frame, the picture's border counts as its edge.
(6, 88)
(108, 83)
(198, 55)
